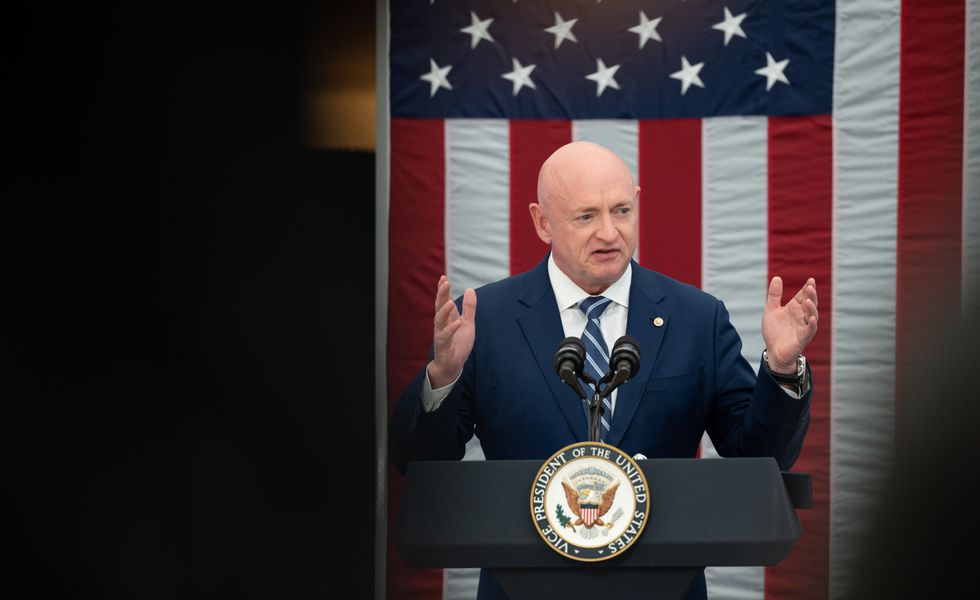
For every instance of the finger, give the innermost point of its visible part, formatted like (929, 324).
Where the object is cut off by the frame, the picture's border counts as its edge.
(442, 316)
(446, 314)
(808, 294)
(775, 295)
(447, 332)
(442, 291)
(811, 329)
(810, 310)
(808, 291)
(810, 316)
(469, 304)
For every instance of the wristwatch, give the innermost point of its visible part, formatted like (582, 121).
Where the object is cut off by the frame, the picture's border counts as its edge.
(797, 380)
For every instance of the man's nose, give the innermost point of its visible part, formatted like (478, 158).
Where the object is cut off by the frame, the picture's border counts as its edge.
(606, 230)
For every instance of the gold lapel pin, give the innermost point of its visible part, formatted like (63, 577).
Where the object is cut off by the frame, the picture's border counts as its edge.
(658, 322)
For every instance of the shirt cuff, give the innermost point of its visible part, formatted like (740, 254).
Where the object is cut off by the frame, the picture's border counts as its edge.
(793, 393)
(432, 398)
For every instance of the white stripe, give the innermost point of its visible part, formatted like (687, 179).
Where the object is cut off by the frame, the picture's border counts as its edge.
(734, 268)
(734, 210)
(865, 108)
(595, 342)
(592, 339)
(460, 584)
(589, 358)
(477, 232)
(602, 353)
(598, 303)
(971, 159)
(620, 136)
(477, 243)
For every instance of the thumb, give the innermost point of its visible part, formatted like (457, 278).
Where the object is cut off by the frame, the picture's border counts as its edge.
(469, 304)
(775, 296)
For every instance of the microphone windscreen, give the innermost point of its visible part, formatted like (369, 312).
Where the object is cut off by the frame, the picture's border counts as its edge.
(625, 353)
(571, 350)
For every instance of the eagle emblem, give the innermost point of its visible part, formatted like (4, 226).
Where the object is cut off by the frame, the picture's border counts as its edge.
(589, 504)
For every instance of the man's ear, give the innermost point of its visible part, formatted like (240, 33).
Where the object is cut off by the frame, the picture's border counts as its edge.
(541, 224)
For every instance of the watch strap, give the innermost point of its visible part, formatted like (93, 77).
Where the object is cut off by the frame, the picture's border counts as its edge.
(797, 379)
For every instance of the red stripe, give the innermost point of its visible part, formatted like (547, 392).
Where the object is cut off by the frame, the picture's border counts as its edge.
(670, 198)
(531, 142)
(800, 229)
(416, 259)
(930, 179)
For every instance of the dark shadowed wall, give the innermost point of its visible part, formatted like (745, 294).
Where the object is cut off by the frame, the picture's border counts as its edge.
(189, 342)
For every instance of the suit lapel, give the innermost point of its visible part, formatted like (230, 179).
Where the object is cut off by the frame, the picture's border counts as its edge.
(644, 310)
(543, 331)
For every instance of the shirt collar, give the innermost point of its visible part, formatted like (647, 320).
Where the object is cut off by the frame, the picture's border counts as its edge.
(568, 294)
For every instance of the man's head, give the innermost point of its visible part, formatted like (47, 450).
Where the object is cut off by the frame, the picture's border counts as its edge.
(586, 211)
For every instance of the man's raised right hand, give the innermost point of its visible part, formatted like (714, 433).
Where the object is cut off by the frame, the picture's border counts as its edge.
(452, 336)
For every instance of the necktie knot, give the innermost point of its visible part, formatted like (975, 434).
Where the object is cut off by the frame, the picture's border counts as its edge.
(593, 306)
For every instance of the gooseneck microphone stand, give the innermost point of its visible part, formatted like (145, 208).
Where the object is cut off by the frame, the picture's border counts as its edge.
(594, 404)
(569, 362)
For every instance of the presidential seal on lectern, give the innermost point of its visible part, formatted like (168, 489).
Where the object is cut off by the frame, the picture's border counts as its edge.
(590, 501)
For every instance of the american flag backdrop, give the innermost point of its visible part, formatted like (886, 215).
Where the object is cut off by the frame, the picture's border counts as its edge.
(838, 140)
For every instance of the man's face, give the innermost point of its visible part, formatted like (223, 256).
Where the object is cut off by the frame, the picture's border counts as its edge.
(591, 223)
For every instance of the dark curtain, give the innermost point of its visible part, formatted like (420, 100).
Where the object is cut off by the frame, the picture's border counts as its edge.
(189, 343)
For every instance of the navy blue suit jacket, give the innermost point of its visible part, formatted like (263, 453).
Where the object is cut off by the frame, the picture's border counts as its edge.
(692, 378)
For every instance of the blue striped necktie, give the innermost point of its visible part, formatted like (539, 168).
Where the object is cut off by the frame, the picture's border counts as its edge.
(596, 351)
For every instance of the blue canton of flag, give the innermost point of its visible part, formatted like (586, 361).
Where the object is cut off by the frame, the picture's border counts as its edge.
(587, 59)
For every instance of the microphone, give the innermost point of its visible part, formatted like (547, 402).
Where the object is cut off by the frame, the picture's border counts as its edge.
(568, 364)
(624, 360)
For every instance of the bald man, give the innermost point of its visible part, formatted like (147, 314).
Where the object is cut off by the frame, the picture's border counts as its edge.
(491, 371)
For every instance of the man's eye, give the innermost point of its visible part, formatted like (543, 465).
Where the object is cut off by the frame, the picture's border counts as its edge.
(625, 210)
(585, 218)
